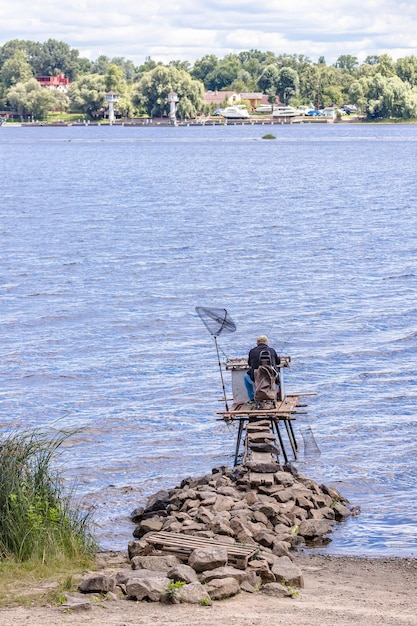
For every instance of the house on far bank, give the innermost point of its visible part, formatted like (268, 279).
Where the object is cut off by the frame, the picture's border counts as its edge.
(256, 98)
(219, 98)
(60, 83)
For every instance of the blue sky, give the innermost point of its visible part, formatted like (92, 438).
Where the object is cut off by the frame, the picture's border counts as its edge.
(189, 29)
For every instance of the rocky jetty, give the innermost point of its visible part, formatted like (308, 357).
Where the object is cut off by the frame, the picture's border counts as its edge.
(228, 531)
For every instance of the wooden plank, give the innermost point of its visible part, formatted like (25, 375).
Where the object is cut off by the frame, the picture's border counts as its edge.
(193, 541)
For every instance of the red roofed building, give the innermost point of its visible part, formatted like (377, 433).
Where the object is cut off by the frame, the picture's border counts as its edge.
(54, 82)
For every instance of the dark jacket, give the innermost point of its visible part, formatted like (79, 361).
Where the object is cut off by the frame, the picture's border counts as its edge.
(253, 358)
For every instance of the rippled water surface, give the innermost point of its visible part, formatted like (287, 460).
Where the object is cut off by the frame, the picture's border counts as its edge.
(111, 236)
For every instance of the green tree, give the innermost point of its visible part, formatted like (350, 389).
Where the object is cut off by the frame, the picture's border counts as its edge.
(114, 80)
(87, 94)
(181, 65)
(406, 69)
(357, 93)
(224, 73)
(287, 84)
(9, 49)
(386, 65)
(243, 82)
(100, 65)
(56, 57)
(149, 65)
(154, 87)
(372, 59)
(128, 67)
(347, 62)
(204, 66)
(16, 69)
(30, 99)
(268, 80)
(390, 97)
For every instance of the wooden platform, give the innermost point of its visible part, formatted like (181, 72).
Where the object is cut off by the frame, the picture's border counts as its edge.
(284, 409)
(181, 545)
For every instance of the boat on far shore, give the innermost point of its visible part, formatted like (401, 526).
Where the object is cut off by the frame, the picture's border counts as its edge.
(286, 111)
(236, 112)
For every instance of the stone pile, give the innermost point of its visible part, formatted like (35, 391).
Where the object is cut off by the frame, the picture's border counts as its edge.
(225, 508)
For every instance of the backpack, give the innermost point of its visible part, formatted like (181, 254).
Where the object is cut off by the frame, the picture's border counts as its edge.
(265, 378)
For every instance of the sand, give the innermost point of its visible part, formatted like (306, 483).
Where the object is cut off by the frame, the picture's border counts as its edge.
(338, 590)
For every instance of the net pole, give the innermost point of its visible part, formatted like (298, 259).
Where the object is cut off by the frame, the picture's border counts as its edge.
(221, 373)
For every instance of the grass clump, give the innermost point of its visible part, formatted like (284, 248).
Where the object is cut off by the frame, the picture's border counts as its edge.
(39, 524)
(269, 136)
(171, 593)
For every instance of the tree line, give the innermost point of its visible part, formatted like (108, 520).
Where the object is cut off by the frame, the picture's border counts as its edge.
(380, 87)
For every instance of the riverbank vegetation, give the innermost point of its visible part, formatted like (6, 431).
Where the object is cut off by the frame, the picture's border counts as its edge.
(43, 530)
(381, 88)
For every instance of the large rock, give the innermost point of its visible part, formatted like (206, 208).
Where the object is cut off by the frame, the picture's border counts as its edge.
(341, 511)
(276, 590)
(97, 584)
(158, 501)
(135, 548)
(122, 576)
(286, 479)
(265, 538)
(223, 503)
(261, 568)
(147, 526)
(183, 573)
(270, 509)
(202, 559)
(193, 593)
(221, 588)
(151, 588)
(224, 572)
(286, 572)
(158, 563)
(311, 528)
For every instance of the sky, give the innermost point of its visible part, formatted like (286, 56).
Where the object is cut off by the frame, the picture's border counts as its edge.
(189, 29)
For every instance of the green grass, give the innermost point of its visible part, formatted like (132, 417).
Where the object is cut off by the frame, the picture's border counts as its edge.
(31, 583)
(40, 524)
(61, 116)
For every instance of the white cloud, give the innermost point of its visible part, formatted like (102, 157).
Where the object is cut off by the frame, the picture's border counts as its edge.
(185, 29)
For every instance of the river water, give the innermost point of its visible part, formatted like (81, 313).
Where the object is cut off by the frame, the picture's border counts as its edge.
(110, 236)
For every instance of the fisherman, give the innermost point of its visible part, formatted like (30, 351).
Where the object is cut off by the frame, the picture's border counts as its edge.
(262, 344)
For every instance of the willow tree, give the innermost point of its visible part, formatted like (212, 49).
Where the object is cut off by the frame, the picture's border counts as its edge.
(16, 69)
(287, 84)
(87, 94)
(30, 99)
(154, 86)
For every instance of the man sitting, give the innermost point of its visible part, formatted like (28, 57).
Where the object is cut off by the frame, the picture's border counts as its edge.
(254, 363)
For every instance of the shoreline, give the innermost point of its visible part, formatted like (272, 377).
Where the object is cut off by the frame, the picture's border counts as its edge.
(344, 590)
(210, 121)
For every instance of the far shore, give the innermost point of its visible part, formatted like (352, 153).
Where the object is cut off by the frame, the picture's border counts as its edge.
(203, 121)
(210, 121)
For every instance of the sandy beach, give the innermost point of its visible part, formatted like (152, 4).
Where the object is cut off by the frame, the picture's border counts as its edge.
(338, 590)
